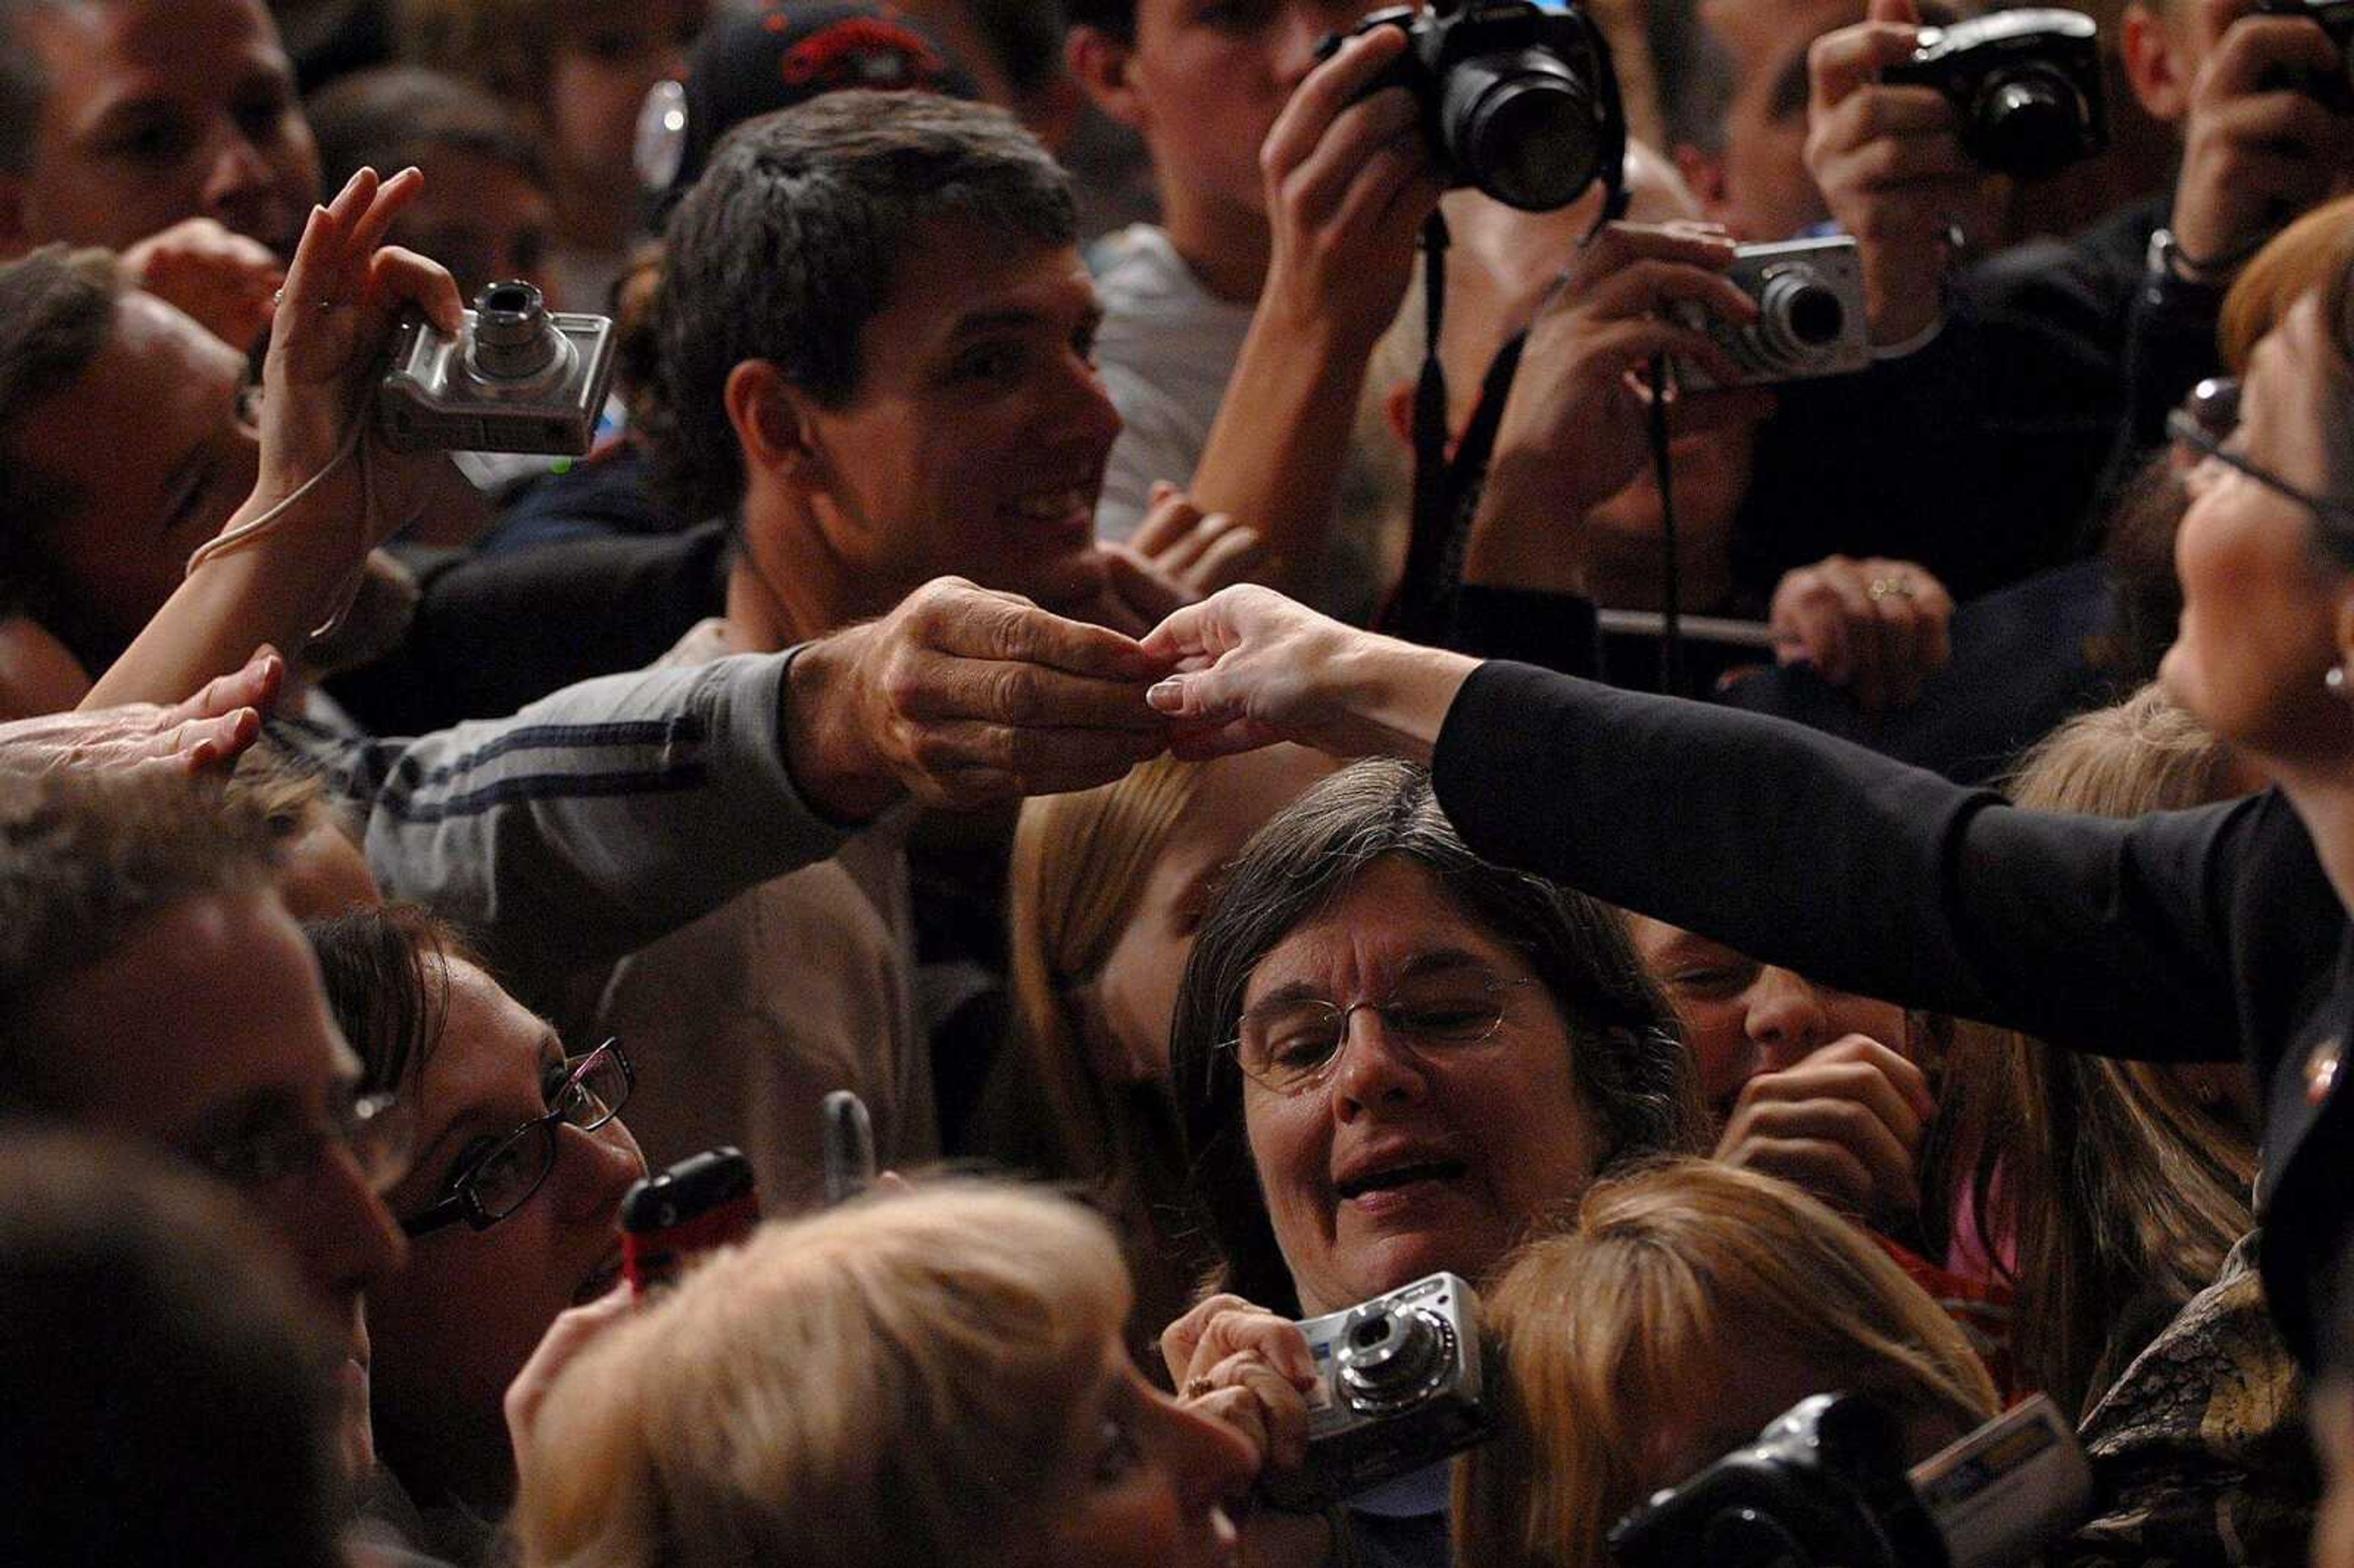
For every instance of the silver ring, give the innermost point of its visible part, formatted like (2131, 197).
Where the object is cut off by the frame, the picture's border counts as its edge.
(1889, 588)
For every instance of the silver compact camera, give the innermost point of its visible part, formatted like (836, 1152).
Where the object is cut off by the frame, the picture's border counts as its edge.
(1399, 1386)
(518, 378)
(1825, 1487)
(1811, 320)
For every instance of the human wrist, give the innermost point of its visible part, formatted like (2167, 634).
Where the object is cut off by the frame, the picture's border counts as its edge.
(824, 733)
(1395, 695)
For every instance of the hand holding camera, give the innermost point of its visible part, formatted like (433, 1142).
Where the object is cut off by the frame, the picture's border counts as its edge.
(345, 294)
(1890, 160)
(1349, 182)
(1575, 431)
(2270, 135)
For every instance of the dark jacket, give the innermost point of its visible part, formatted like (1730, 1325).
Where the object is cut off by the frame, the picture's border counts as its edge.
(2186, 936)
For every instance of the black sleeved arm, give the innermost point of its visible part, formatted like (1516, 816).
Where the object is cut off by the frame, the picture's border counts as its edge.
(1808, 852)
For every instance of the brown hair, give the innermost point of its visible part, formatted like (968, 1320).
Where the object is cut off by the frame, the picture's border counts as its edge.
(2120, 1191)
(385, 975)
(86, 855)
(56, 314)
(2314, 255)
(1656, 1286)
(890, 1382)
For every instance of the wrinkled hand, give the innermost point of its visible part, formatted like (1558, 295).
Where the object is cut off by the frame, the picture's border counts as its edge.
(1890, 163)
(1878, 627)
(206, 731)
(962, 697)
(1254, 668)
(1200, 553)
(574, 1331)
(1846, 1124)
(1576, 428)
(221, 278)
(2256, 150)
(345, 294)
(1248, 1368)
(1349, 182)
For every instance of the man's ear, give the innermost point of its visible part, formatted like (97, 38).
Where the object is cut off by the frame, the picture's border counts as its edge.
(771, 417)
(1099, 62)
(13, 240)
(2157, 65)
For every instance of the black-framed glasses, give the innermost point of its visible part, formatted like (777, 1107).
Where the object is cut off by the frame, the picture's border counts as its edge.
(595, 1088)
(1289, 1044)
(2206, 421)
(380, 1132)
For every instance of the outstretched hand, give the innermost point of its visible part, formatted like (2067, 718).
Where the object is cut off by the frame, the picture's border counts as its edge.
(208, 730)
(1254, 668)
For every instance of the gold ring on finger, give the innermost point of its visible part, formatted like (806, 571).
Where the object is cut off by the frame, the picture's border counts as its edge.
(1196, 1387)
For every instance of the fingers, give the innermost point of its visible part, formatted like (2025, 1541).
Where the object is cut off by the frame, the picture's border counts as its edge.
(1150, 591)
(2256, 53)
(1842, 62)
(1170, 515)
(573, 1331)
(972, 622)
(1331, 88)
(1855, 1097)
(977, 762)
(255, 685)
(1233, 555)
(203, 744)
(399, 278)
(1262, 1403)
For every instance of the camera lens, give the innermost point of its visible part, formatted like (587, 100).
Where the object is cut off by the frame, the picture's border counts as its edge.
(1520, 126)
(512, 338)
(2031, 123)
(1798, 317)
(1393, 1360)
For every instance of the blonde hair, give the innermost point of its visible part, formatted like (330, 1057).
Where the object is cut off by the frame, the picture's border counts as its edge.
(887, 1382)
(1080, 866)
(2121, 1192)
(1660, 1276)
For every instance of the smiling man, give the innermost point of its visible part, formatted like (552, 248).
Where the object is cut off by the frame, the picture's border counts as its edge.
(875, 335)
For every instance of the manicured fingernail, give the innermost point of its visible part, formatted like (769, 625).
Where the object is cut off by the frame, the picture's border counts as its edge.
(1168, 696)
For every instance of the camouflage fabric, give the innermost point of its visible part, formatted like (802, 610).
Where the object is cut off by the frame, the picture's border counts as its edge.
(2199, 1456)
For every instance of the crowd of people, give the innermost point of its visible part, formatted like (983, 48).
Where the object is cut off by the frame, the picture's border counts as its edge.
(1288, 729)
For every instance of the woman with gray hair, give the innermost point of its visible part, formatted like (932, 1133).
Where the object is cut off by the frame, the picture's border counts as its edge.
(1393, 1057)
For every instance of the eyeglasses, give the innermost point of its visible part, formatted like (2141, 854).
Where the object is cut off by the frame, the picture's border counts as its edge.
(380, 1130)
(594, 1089)
(2208, 418)
(1289, 1045)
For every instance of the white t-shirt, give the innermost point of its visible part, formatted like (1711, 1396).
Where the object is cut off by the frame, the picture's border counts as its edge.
(1167, 348)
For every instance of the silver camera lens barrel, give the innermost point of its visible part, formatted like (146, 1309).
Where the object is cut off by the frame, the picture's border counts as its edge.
(1799, 317)
(513, 339)
(1390, 1359)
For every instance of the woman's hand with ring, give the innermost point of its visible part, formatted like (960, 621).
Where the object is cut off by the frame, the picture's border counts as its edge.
(1248, 1368)
(1878, 627)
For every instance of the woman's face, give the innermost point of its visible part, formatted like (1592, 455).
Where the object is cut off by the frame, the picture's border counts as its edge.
(2260, 609)
(1137, 991)
(1743, 1019)
(1145, 1483)
(1397, 1164)
(454, 1326)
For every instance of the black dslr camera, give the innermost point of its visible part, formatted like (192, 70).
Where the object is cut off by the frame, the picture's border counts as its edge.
(2028, 84)
(2337, 19)
(1824, 1487)
(1518, 97)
